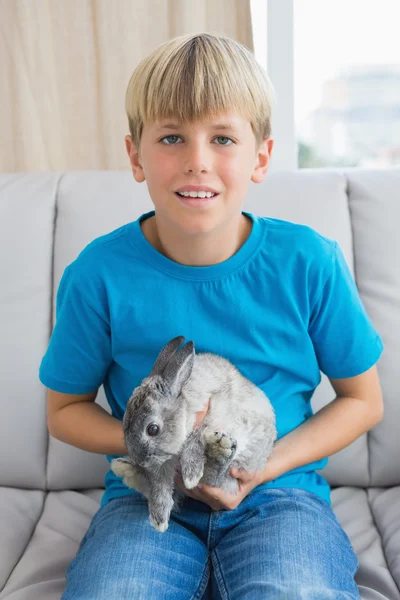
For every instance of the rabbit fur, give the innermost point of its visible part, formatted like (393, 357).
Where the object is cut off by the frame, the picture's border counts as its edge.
(238, 430)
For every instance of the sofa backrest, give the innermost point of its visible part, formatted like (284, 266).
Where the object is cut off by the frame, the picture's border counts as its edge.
(46, 219)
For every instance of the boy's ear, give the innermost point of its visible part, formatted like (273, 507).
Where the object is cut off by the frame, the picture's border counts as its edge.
(134, 159)
(263, 158)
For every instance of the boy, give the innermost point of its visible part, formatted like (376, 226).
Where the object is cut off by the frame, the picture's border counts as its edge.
(274, 297)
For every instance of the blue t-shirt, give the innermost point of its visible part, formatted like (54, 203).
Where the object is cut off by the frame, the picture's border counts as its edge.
(283, 308)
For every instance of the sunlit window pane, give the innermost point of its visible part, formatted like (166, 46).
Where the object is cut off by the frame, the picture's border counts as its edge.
(347, 83)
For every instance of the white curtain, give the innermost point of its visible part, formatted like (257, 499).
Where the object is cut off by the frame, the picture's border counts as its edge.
(65, 66)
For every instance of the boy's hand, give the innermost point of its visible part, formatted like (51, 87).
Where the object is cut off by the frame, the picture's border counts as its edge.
(201, 414)
(217, 498)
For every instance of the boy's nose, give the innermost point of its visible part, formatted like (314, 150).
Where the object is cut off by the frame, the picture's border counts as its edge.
(197, 158)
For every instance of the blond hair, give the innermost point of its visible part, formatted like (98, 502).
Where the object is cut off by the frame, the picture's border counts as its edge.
(198, 76)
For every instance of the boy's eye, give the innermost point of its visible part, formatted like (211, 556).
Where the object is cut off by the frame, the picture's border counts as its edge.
(219, 137)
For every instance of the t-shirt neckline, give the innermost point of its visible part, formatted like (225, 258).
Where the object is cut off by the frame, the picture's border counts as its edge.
(235, 262)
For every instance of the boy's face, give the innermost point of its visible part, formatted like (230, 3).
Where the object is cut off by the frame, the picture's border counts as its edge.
(199, 154)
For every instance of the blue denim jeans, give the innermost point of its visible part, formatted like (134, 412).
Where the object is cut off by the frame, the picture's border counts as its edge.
(277, 544)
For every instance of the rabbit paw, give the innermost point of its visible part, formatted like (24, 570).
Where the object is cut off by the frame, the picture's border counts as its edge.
(160, 512)
(159, 525)
(220, 445)
(191, 477)
(125, 470)
(131, 476)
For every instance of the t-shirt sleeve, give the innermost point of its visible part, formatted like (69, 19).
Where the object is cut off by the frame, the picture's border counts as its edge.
(345, 341)
(79, 352)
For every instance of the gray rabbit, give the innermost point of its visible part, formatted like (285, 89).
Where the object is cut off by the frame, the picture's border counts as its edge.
(159, 435)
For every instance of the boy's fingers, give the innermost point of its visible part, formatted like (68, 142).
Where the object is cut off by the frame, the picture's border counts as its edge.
(201, 414)
(210, 491)
(242, 474)
(237, 473)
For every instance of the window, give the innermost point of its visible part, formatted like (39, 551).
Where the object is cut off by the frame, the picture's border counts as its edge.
(339, 61)
(347, 83)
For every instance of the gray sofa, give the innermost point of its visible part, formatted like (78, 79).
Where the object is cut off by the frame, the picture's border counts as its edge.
(49, 490)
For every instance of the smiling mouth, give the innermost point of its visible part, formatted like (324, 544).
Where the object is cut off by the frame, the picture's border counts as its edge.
(192, 201)
(197, 197)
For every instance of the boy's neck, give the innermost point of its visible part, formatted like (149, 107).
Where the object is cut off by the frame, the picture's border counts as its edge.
(196, 250)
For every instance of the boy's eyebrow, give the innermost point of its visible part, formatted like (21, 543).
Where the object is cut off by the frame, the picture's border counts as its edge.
(215, 126)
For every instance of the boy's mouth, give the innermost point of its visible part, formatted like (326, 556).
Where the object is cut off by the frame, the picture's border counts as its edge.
(190, 201)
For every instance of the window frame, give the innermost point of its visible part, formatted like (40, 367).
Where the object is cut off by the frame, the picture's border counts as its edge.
(276, 55)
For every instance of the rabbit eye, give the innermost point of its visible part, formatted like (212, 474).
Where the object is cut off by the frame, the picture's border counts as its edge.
(153, 429)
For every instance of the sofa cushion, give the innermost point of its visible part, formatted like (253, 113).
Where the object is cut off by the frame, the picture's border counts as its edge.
(371, 518)
(20, 512)
(40, 572)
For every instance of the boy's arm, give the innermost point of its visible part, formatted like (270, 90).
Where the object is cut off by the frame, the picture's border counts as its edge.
(77, 420)
(357, 408)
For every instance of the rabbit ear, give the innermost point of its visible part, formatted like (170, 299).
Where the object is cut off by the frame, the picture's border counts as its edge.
(179, 368)
(166, 354)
